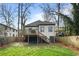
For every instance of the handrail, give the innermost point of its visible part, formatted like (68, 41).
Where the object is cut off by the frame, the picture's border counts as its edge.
(43, 36)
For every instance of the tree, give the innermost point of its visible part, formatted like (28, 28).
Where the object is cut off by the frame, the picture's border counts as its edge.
(6, 14)
(18, 18)
(23, 15)
(50, 12)
(76, 17)
(72, 23)
(46, 8)
(58, 6)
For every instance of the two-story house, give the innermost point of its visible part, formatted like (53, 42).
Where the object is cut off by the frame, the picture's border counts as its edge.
(43, 29)
(7, 31)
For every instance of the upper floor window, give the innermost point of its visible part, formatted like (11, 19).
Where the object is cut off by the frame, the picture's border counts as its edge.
(42, 29)
(6, 34)
(50, 29)
(1, 32)
(13, 35)
(13, 30)
(5, 27)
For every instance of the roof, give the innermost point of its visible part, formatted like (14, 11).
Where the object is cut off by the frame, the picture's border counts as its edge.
(37, 23)
(8, 26)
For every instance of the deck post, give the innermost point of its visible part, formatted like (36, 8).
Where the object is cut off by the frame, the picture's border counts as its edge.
(37, 35)
(28, 39)
(54, 39)
(37, 39)
(41, 41)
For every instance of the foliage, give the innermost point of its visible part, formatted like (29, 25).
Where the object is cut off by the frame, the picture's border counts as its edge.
(72, 23)
(3, 41)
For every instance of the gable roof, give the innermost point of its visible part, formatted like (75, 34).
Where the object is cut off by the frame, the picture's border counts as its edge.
(8, 26)
(37, 23)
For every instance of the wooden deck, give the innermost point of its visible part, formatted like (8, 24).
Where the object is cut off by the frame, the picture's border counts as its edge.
(31, 34)
(36, 36)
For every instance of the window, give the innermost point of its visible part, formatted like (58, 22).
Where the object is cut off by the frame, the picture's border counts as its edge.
(13, 30)
(5, 27)
(6, 34)
(50, 29)
(1, 32)
(42, 29)
(10, 29)
(30, 29)
(13, 35)
(10, 34)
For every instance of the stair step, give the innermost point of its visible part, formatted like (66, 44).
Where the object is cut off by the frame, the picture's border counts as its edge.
(44, 38)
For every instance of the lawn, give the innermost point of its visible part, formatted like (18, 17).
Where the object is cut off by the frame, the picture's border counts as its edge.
(36, 50)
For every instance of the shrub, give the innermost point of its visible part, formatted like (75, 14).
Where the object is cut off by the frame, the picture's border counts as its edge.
(3, 41)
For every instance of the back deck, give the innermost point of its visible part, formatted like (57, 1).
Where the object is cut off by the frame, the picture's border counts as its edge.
(37, 39)
(33, 39)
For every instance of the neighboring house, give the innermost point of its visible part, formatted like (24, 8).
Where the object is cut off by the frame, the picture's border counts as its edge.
(41, 28)
(7, 31)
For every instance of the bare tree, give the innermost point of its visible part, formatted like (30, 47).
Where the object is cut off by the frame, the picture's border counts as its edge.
(23, 15)
(58, 6)
(18, 18)
(49, 13)
(6, 14)
(46, 11)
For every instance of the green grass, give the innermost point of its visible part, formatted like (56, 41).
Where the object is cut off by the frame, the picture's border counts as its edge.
(34, 50)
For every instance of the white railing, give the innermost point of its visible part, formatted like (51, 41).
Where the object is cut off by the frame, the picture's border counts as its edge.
(45, 38)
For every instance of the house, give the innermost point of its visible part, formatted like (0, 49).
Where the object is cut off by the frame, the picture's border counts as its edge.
(42, 29)
(7, 31)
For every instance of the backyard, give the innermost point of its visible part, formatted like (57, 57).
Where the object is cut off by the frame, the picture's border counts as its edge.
(20, 49)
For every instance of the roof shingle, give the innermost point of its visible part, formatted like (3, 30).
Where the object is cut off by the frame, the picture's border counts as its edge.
(37, 23)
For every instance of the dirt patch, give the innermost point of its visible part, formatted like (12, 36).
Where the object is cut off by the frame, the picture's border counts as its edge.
(75, 49)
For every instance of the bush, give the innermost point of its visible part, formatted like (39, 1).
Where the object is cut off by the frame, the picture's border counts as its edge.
(3, 41)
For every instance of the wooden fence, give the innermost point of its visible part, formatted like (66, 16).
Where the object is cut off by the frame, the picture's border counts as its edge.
(70, 40)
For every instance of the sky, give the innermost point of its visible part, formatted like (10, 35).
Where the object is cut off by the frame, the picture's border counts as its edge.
(36, 12)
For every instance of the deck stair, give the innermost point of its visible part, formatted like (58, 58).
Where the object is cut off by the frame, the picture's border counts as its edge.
(45, 38)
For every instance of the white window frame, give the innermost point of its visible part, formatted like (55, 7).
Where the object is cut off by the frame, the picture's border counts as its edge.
(50, 29)
(42, 29)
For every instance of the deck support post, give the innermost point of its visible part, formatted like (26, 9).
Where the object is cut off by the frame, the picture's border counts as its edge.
(37, 35)
(37, 39)
(54, 39)
(41, 41)
(28, 39)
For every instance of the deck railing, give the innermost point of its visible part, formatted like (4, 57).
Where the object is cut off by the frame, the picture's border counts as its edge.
(31, 32)
(42, 36)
